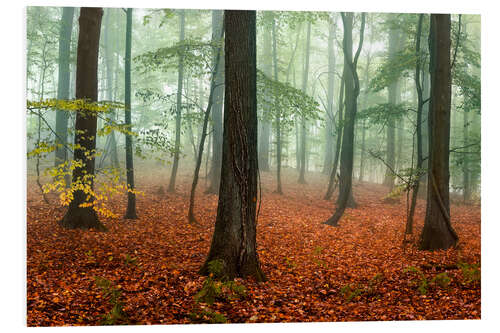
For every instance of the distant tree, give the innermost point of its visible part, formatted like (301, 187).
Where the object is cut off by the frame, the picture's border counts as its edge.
(178, 116)
(79, 215)
(63, 83)
(129, 157)
(303, 127)
(214, 174)
(351, 95)
(438, 232)
(234, 238)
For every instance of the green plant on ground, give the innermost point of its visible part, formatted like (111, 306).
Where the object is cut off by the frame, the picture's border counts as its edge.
(470, 272)
(442, 279)
(116, 315)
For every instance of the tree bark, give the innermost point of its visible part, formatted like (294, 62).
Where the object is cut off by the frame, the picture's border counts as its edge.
(438, 232)
(180, 76)
(234, 238)
(77, 217)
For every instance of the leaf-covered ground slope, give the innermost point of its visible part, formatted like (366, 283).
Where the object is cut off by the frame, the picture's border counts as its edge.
(357, 271)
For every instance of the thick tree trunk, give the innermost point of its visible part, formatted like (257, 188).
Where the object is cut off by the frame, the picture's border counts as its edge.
(303, 133)
(438, 232)
(234, 238)
(218, 97)
(77, 217)
(63, 82)
(351, 94)
(180, 76)
(129, 157)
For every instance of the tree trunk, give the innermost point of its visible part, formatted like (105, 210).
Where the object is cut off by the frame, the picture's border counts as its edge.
(175, 166)
(340, 126)
(438, 232)
(63, 82)
(77, 217)
(418, 85)
(303, 134)
(129, 158)
(191, 217)
(391, 122)
(234, 238)
(330, 120)
(218, 97)
(266, 67)
(279, 188)
(351, 95)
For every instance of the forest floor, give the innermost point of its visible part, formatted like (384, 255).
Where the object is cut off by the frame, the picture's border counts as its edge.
(355, 272)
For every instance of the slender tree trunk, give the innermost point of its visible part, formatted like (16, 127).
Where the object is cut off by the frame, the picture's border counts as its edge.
(218, 97)
(340, 126)
(418, 85)
(191, 217)
(234, 238)
(86, 121)
(266, 67)
(330, 120)
(351, 95)
(303, 134)
(438, 232)
(63, 83)
(391, 122)
(129, 157)
(175, 166)
(279, 188)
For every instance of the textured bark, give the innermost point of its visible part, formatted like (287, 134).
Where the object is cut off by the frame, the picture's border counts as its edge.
(63, 82)
(351, 94)
(77, 217)
(180, 76)
(234, 238)
(129, 157)
(303, 132)
(218, 97)
(438, 232)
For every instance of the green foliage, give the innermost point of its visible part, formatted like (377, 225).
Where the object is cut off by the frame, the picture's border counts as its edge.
(116, 315)
(282, 100)
(442, 279)
(196, 55)
(381, 113)
(470, 272)
(130, 261)
(207, 316)
(349, 293)
(290, 263)
(217, 287)
(423, 284)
